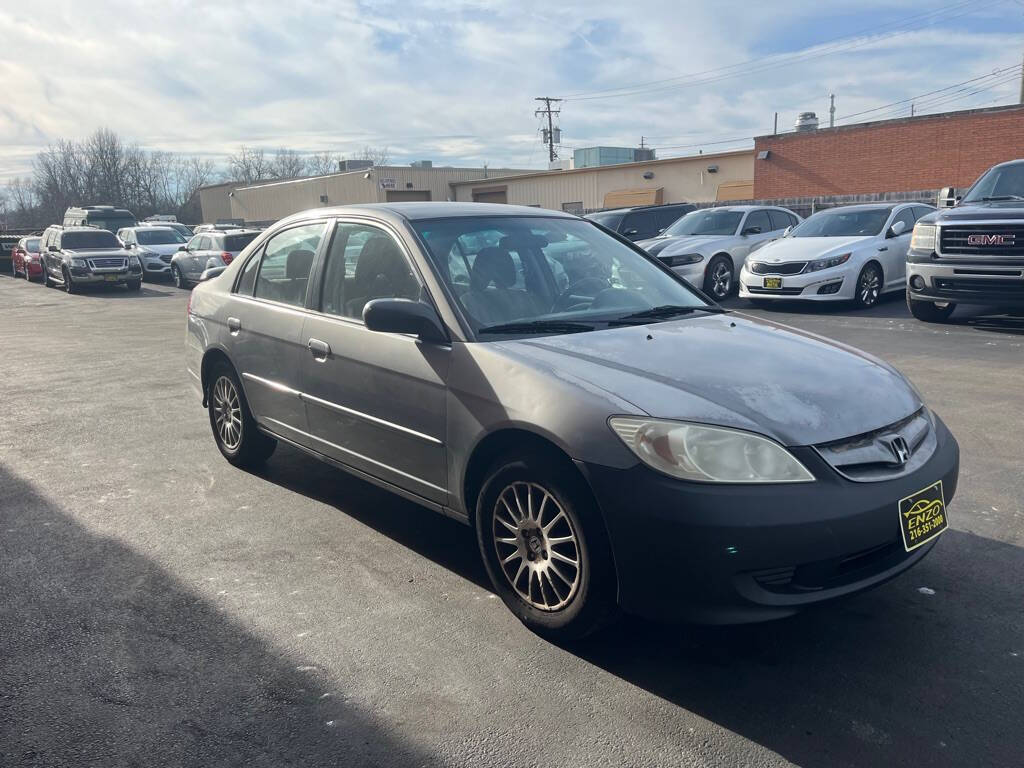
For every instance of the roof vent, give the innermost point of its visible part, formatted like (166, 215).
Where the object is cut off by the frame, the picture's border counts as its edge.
(807, 121)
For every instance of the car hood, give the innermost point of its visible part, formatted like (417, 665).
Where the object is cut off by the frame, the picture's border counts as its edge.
(89, 253)
(806, 248)
(672, 246)
(734, 371)
(164, 249)
(996, 210)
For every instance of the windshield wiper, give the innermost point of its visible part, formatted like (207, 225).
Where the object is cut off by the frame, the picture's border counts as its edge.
(538, 326)
(662, 312)
(996, 198)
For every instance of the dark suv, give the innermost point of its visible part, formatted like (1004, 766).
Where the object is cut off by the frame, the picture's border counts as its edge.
(643, 222)
(74, 257)
(972, 253)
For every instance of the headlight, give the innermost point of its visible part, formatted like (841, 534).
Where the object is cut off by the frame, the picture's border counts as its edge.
(78, 262)
(831, 261)
(923, 238)
(133, 261)
(681, 260)
(708, 454)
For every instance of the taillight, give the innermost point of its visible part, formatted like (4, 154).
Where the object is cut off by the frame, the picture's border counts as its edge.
(226, 257)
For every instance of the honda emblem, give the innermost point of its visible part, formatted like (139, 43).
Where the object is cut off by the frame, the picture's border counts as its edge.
(900, 450)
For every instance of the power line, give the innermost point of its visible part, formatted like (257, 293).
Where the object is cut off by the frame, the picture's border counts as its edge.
(770, 63)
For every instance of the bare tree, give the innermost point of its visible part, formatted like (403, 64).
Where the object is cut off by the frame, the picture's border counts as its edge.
(377, 155)
(249, 164)
(323, 163)
(287, 164)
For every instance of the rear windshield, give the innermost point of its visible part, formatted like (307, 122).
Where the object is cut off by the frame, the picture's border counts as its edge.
(97, 239)
(238, 242)
(158, 237)
(610, 220)
(32, 245)
(111, 224)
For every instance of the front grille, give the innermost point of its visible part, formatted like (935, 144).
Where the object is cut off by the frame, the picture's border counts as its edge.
(776, 291)
(980, 285)
(831, 573)
(108, 263)
(873, 456)
(165, 259)
(955, 239)
(786, 268)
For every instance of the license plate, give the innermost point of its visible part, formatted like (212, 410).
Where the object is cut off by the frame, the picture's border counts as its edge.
(773, 282)
(923, 516)
(110, 278)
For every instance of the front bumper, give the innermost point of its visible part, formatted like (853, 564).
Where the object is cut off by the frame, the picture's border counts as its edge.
(156, 267)
(85, 276)
(726, 554)
(967, 282)
(693, 273)
(826, 285)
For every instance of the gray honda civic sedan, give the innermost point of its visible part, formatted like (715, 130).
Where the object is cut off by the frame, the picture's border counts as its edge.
(618, 441)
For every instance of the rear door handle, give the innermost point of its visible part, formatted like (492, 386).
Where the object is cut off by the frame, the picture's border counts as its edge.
(234, 324)
(321, 349)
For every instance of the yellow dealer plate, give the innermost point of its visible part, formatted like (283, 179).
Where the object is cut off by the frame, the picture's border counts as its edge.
(923, 516)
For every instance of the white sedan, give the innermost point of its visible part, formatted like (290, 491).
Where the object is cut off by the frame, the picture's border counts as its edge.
(853, 253)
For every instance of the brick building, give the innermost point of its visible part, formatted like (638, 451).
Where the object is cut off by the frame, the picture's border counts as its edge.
(914, 153)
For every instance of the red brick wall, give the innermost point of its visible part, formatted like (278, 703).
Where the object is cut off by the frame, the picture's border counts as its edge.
(927, 152)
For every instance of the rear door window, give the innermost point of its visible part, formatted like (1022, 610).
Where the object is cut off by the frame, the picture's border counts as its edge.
(758, 219)
(286, 264)
(781, 220)
(640, 224)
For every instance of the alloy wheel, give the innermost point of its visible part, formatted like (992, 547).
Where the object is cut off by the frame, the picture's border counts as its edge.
(869, 287)
(227, 411)
(721, 279)
(537, 546)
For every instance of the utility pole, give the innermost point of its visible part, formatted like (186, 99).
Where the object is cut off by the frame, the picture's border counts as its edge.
(641, 142)
(775, 130)
(911, 109)
(549, 132)
(831, 110)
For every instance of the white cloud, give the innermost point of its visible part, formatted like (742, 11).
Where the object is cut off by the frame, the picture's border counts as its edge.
(454, 80)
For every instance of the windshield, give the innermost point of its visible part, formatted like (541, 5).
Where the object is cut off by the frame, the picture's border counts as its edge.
(111, 225)
(238, 242)
(843, 223)
(536, 270)
(711, 222)
(158, 237)
(99, 238)
(611, 219)
(1002, 183)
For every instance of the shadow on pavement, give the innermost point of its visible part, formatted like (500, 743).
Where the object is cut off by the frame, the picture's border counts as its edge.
(106, 659)
(890, 677)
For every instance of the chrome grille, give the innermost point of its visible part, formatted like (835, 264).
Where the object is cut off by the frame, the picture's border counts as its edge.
(108, 263)
(955, 239)
(786, 268)
(875, 456)
(165, 259)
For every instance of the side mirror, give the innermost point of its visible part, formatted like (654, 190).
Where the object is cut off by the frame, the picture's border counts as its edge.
(182, 247)
(788, 231)
(53, 249)
(897, 229)
(752, 231)
(404, 316)
(212, 272)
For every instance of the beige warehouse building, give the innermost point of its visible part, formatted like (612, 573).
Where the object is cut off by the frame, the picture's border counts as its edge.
(269, 201)
(696, 179)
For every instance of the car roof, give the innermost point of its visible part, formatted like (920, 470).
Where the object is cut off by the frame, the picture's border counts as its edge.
(236, 231)
(632, 208)
(432, 210)
(65, 230)
(148, 228)
(869, 206)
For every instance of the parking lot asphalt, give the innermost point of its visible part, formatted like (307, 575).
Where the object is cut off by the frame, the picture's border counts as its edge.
(159, 607)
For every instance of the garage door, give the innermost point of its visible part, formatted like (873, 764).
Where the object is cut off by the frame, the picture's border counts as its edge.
(490, 195)
(407, 195)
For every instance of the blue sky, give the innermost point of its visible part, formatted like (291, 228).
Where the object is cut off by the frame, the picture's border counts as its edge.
(454, 80)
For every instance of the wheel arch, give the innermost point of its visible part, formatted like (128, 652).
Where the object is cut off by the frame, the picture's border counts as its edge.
(211, 357)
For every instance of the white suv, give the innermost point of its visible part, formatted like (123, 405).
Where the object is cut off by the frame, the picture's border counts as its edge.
(208, 250)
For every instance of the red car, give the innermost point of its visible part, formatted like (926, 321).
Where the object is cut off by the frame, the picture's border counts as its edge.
(25, 261)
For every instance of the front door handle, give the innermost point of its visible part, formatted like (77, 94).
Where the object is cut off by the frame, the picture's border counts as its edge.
(234, 324)
(321, 349)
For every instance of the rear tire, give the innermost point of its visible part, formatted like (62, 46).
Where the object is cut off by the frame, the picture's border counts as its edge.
(234, 429)
(719, 279)
(535, 518)
(929, 311)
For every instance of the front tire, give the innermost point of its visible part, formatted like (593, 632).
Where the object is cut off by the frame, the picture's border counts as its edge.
(544, 546)
(179, 279)
(234, 428)
(68, 285)
(719, 278)
(869, 286)
(929, 311)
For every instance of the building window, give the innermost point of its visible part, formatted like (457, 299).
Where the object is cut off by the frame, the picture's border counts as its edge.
(573, 208)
